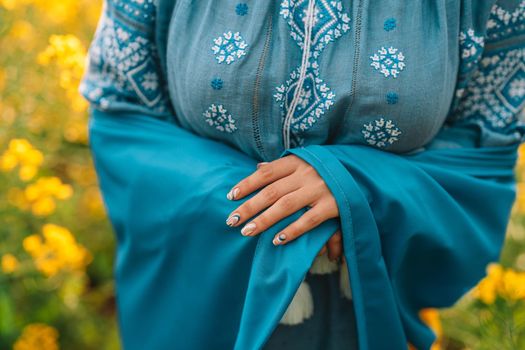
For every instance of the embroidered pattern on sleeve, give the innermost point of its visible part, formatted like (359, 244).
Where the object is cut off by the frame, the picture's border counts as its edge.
(506, 23)
(316, 97)
(122, 62)
(491, 84)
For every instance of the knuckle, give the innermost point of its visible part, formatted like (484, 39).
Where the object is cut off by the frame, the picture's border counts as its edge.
(270, 194)
(262, 221)
(286, 202)
(309, 171)
(266, 172)
(312, 220)
(246, 207)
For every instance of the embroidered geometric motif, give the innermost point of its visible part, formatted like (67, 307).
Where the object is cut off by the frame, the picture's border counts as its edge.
(229, 47)
(330, 22)
(217, 116)
(389, 62)
(380, 132)
(504, 22)
(496, 90)
(512, 91)
(315, 97)
(121, 62)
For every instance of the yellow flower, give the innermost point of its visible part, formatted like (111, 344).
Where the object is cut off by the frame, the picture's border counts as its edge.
(27, 172)
(513, 285)
(9, 263)
(43, 206)
(8, 161)
(431, 318)
(37, 336)
(41, 194)
(21, 152)
(56, 250)
(505, 283)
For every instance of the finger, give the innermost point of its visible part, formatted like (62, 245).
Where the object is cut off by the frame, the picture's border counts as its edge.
(262, 200)
(310, 219)
(322, 251)
(283, 207)
(335, 246)
(263, 176)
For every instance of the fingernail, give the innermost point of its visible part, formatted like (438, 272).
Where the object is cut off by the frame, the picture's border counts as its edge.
(233, 192)
(279, 239)
(261, 163)
(248, 228)
(233, 219)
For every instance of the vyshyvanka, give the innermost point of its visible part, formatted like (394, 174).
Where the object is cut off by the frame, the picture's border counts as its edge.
(408, 112)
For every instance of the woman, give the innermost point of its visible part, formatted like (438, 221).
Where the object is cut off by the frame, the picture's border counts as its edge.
(386, 128)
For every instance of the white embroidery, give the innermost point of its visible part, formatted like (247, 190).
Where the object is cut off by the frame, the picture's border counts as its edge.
(390, 62)
(122, 64)
(229, 47)
(218, 117)
(380, 132)
(496, 91)
(315, 98)
(505, 23)
(329, 24)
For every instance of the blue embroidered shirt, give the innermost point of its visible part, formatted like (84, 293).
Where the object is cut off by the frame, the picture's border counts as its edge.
(267, 75)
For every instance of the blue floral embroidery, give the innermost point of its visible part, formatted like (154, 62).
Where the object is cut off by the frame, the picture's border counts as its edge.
(380, 132)
(241, 9)
(390, 24)
(331, 22)
(389, 62)
(216, 83)
(392, 98)
(217, 116)
(229, 47)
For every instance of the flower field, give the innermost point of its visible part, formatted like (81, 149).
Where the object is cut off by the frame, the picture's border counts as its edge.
(56, 244)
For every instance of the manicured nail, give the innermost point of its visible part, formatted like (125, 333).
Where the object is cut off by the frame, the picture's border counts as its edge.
(261, 163)
(279, 239)
(248, 228)
(233, 192)
(233, 219)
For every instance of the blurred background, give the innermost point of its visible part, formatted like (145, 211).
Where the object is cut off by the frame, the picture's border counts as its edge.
(56, 244)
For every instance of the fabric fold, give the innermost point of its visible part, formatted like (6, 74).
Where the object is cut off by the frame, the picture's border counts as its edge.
(418, 231)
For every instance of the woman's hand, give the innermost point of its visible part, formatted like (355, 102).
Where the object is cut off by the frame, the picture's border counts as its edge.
(289, 185)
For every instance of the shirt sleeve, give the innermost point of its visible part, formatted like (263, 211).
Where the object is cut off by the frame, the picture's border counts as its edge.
(123, 67)
(490, 91)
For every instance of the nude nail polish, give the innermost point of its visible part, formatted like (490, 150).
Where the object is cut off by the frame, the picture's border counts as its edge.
(248, 228)
(260, 164)
(233, 219)
(279, 239)
(233, 192)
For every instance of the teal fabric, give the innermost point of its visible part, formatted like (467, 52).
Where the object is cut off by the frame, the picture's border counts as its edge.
(409, 112)
(419, 237)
